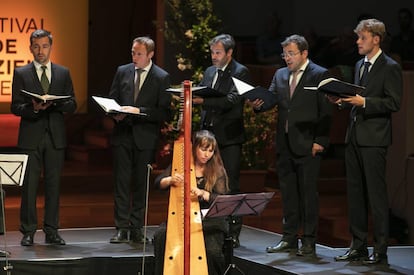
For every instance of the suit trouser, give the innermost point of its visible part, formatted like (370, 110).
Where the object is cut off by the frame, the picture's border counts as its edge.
(365, 172)
(231, 155)
(298, 177)
(130, 172)
(52, 160)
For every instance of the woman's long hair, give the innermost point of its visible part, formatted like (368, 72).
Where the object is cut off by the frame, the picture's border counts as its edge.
(214, 169)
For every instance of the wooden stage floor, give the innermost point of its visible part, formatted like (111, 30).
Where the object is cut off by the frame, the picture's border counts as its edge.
(88, 251)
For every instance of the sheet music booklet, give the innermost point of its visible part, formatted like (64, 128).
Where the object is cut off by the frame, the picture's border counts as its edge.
(250, 92)
(200, 91)
(110, 106)
(46, 97)
(336, 87)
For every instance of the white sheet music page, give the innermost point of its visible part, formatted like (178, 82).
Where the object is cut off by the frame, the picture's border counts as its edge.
(241, 86)
(12, 168)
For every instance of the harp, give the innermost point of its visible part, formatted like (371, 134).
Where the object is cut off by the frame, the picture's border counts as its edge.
(184, 248)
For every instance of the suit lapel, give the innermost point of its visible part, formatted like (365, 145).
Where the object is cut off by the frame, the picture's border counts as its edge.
(358, 72)
(53, 73)
(378, 64)
(211, 76)
(131, 77)
(36, 81)
(285, 79)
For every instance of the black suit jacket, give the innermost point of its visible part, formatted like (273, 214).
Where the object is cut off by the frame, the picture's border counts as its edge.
(382, 94)
(226, 113)
(308, 112)
(32, 125)
(152, 100)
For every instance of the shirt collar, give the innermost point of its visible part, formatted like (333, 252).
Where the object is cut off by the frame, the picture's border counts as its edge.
(303, 67)
(374, 58)
(224, 67)
(38, 66)
(146, 68)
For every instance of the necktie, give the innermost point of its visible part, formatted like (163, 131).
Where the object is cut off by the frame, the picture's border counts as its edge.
(293, 83)
(137, 83)
(292, 88)
(44, 81)
(364, 76)
(219, 75)
(362, 82)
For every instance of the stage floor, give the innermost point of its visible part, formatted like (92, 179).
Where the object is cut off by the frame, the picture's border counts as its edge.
(93, 243)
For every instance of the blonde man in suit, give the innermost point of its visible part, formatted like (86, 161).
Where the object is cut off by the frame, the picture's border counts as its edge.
(140, 87)
(368, 136)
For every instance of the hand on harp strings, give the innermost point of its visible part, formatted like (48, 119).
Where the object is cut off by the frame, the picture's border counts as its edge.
(177, 180)
(200, 193)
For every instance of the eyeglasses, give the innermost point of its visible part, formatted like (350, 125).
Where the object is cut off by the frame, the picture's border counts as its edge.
(288, 54)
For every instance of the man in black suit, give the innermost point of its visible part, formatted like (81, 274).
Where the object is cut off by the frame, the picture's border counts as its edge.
(368, 136)
(42, 134)
(139, 87)
(304, 119)
(223, 115)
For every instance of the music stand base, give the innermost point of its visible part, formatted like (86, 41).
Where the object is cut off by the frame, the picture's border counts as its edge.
(238, 205)
(229, 255)
(232, 267)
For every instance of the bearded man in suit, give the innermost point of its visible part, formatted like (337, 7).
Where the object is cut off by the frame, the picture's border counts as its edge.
(223, 115)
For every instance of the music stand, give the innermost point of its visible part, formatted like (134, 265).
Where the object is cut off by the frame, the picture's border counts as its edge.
(12, 170)
(237, 205)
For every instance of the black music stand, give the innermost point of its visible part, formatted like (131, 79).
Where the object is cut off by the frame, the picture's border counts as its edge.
(237, 205)
(12, 170)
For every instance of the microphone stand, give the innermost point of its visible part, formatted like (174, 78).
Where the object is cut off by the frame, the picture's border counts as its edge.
(149, 169)
(7, 266)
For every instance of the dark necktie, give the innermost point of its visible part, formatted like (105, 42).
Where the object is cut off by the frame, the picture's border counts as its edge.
(362, 82)
(137, 83)
(44, 81)
(219, 76)
(364, 76)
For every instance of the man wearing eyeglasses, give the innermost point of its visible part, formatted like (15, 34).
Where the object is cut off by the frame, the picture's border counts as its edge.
(304, 119)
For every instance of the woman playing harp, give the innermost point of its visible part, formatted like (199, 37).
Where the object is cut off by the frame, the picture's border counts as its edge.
(211, 181)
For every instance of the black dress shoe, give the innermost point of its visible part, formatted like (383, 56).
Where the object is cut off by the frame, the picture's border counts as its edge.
(282, 246)
(4, 253)
(236, 242)
(376, 258)
(352, 255)
(136, 236)
(54, 238)
(306, 250)
(121, 236)
(27, 239)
